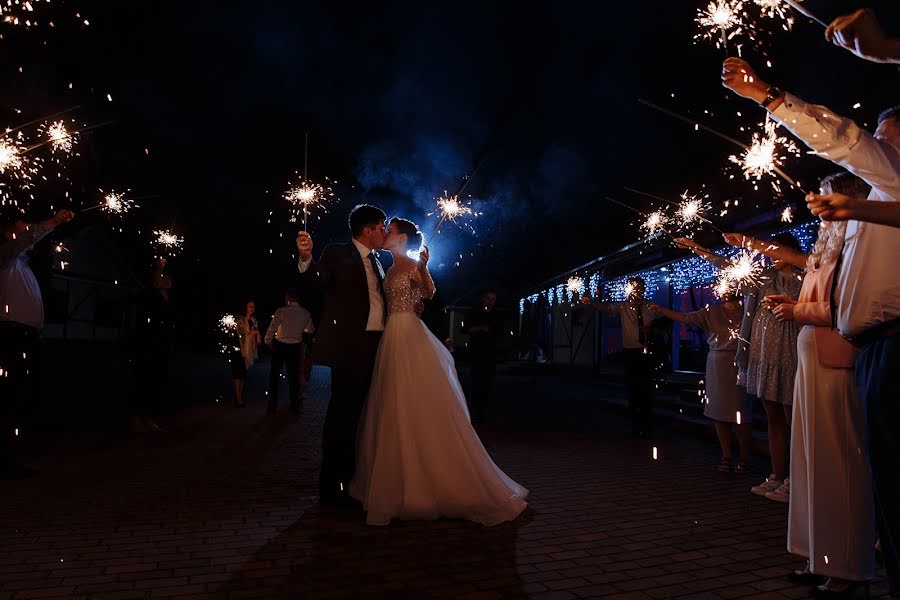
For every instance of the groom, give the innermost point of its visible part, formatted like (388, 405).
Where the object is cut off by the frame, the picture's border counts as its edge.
(350, 277)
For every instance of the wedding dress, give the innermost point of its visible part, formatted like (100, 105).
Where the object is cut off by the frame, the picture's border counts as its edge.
(418, 456)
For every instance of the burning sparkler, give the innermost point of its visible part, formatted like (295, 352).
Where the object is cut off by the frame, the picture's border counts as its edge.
(787, 215)
(60, 138)
(655, 222)
(11, 158)
(721, 21)
(450, 209)
(167, 242)
(691, 208)
(308, 196)
(776, 9)
(114, 203)
(766, 154)
(228, 323)
(745, 270)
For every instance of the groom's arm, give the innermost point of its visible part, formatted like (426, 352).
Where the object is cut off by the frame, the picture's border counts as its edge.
(317, 275)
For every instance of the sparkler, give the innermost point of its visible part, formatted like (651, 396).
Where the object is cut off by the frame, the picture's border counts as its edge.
(720, 18)
(167, 242)
(308, 196)
(798, 6)
(745, 270)
(60, 138)
(692, 208)
(114, 204)
(655, 222)
(450, 209)
(787, 215)
(776, 9)
(10, 155)
(697, 125)
(228, 323)
(766, 154)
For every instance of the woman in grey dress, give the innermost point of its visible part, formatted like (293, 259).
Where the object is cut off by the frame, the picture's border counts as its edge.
(766, 356)
(725, 402)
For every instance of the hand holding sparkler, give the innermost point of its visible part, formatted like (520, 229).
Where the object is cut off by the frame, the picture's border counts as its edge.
(62, 216)
(424, 255)
(861, 33)
(741, 78)
(304, 246)
(840, 207)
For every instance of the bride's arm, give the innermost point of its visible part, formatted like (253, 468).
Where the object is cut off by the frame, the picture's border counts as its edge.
(425, 281)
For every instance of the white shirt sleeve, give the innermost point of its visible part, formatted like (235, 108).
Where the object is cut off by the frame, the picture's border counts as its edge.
(303, 265)
(273, 327)
(841, 141)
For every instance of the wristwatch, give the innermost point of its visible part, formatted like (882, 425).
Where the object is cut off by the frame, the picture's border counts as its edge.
(772, 94)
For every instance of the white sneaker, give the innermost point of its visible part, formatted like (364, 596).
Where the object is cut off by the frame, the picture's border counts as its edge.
(769, 485)
(782, 494)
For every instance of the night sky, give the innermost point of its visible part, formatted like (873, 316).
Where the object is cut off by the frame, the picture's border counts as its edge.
(402, 101)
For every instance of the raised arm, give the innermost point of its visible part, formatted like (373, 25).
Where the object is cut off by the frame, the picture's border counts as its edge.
(770, 249)
(609, 308)
(836, 138)
(861, 33)
(23, 241)
(424, 280)
(710, 257)
(686, 318)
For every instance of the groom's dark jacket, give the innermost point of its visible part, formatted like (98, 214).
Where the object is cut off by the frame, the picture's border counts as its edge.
(339, 275)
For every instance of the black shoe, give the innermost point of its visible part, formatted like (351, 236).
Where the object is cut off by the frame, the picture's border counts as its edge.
(848, 592)
(18, 472)
(806, 577)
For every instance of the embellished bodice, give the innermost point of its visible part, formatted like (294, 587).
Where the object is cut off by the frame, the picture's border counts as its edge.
(405, 285)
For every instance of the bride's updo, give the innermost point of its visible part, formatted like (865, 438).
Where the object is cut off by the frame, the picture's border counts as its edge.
(413, 235)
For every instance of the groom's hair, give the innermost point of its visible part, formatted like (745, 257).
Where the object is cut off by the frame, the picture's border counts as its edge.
(413, 235)
(365, 215)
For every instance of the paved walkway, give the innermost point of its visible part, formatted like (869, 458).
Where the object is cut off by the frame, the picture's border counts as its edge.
(222, 505)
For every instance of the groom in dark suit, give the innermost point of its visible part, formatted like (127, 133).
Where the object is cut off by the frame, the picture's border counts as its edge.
(350, 277)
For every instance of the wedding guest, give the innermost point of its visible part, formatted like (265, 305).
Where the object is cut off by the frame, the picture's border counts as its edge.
(726, 403)
(484, 328)
(861, 33)
(21, 320)
(867, 280)
(152, 347)
(245, 355)
(285, 337)
(635, 316)
(766, 356)
(831, 519)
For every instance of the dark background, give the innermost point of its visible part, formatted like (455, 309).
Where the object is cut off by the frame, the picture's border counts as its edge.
(402, 100)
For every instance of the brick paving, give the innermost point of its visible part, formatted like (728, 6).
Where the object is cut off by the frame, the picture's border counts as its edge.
(222, 505)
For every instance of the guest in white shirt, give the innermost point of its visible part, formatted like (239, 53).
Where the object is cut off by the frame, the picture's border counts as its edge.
(285, 337)
(635, 316)
(21, 320)
(867, 287)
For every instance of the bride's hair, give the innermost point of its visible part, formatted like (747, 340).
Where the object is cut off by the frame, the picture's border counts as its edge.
(831, 234)
(413, 235)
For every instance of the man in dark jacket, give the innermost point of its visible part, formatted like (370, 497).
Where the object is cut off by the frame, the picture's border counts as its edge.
(350, 278)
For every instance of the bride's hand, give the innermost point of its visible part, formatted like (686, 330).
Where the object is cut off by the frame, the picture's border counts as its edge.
(423, 257)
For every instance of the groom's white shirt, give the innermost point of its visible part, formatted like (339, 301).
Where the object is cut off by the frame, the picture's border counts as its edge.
(376, 302)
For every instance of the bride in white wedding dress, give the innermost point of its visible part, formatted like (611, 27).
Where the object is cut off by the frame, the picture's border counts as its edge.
(418, 456)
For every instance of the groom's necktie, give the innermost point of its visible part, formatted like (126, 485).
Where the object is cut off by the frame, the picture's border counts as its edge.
(379, 276)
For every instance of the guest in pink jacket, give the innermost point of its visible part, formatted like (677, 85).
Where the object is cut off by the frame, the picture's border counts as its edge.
(831, 519)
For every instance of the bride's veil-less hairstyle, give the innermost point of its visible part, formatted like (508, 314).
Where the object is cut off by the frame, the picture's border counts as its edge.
(413, 235)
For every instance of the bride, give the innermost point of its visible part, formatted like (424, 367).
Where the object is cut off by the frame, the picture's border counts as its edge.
(418, 456)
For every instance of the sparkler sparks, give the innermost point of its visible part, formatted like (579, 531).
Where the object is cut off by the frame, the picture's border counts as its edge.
(776, 9)
(116, 203)
(228, 323)
(745, 270)
(691, 208)
(308, 196)
(60, 138)
(450, 208)
(721, 21)
(167, 242)
(655, 222)
(766, 154)
(787, 215)
(10, 155)
(629, 289)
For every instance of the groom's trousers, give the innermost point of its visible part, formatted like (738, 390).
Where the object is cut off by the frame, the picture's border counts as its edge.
(349, 388)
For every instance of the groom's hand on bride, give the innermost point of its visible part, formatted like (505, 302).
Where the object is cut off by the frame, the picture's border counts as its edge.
(304, 245)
